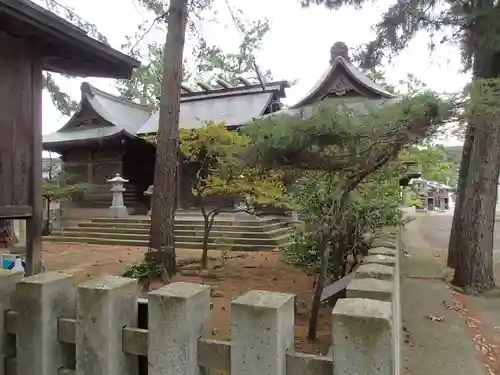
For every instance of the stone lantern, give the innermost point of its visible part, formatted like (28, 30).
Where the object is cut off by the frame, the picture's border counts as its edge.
(117, 208)
(149, 193)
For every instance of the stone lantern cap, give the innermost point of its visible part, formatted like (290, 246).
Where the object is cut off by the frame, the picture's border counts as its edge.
(117, 179)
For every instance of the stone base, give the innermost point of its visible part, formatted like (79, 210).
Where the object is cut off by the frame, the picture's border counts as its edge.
(118, 211)
(17, 250)
(245, 216)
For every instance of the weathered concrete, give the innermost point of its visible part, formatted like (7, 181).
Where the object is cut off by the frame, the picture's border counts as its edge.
(437, 348)
(105, 306)
(262, 331)
(362, 337)
(177, 313)
(379, 242)
(374, 271)
(380, 259)
(40, 301)
(382, 251)
(370, 288)
(8, 281)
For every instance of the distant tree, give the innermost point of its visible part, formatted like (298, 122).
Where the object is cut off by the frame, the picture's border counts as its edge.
(61, 100)
(211, 62)
(56, 187)
(434, 162)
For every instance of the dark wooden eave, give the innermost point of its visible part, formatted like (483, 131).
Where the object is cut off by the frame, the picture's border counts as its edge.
(61, 46)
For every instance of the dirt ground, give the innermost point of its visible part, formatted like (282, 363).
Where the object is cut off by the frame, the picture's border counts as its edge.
(241, 273)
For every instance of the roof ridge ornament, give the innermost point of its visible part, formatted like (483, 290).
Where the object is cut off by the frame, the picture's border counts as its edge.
(339, 49)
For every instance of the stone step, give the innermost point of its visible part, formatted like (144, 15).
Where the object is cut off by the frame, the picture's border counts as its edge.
(190, 225)
(136, 207)
(144, 243)
(197, 220)
(221, 240)
(181, 231)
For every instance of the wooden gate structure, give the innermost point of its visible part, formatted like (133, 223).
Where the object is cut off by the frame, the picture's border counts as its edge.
(34, 39)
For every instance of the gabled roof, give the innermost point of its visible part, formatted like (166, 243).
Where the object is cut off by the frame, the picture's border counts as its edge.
(233, 106)
(122, 114)
(120, 117)
(62, 47)
(342, 78)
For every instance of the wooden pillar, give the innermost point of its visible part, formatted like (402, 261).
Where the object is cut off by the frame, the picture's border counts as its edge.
(21, 142)
(35, 223)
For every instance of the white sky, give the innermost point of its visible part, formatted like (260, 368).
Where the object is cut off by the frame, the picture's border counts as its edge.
(297, 47)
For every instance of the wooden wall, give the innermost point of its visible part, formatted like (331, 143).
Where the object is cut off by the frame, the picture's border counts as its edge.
(93, 165)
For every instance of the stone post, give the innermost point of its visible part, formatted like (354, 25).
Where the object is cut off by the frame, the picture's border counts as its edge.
(8, 281)
(40, 301)
(262, 331)
(177, 313)
(105, 306)
(19, 227)
(149, 193)
(362, 337)
(117, 208)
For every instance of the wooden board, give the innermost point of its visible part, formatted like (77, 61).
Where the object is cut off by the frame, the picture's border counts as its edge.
(16, 135)
(337, 287)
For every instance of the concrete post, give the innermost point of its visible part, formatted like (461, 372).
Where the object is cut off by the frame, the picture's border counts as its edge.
(117, 208)
(177, 313)
(149, 193)
(8, 281)
(362, 337)
(371, 288)
(40, 300)
(262, 331)
(105, 306)
(374, 271)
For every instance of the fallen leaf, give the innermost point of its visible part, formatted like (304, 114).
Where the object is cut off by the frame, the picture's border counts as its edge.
(435, 318)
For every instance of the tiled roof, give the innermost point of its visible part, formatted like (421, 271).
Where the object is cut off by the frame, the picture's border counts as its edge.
(232, 111)
(230, 105)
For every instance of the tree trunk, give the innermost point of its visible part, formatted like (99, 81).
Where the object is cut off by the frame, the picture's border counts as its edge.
(462, 179)
(206, 234)
(474, 255)
(320, 285)
(474, 258)
(164, 192)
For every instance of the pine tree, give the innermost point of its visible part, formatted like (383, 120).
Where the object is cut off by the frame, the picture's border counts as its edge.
(475, 27)
(164, 193)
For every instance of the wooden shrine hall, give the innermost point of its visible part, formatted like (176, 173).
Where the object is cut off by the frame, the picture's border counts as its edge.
(33, 40)
(104, 136)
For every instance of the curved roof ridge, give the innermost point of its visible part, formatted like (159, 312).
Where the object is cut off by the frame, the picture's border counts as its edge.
(87, 88)
(340, 59)
(362, 79)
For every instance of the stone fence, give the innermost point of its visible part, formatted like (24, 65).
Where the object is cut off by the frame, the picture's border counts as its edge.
(52, 327)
